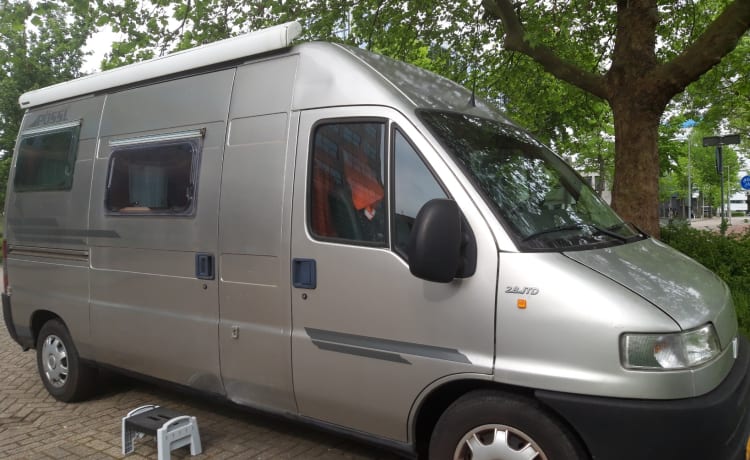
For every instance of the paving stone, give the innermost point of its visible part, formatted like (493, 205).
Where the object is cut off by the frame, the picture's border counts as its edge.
(33, 425)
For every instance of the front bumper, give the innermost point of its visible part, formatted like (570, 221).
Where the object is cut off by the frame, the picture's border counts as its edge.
(712, 426)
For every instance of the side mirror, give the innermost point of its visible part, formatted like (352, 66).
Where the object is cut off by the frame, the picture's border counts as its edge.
(436, 241)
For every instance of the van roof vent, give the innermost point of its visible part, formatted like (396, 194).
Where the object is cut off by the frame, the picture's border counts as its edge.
(260, 41)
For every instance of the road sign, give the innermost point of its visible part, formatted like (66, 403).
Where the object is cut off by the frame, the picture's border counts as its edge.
(721, 140)
(745, 182)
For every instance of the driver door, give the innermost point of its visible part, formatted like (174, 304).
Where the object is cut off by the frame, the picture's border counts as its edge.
(368, 336)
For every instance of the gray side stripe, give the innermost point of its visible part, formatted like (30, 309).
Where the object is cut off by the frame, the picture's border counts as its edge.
(67, 232)
(33, 221)
(67, 254)
(372, 344)
(385, 356)
(49, 239)
(50, 227)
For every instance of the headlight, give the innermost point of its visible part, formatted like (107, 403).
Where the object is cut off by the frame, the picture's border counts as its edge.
(680, 350)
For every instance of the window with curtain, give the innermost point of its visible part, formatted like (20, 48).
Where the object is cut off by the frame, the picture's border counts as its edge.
(153, 177)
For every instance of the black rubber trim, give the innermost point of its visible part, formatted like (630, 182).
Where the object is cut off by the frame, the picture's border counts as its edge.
(8, 318)
(21, 335)
(25, 337)
(713, 426)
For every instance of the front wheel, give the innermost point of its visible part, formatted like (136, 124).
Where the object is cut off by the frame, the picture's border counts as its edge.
(491, 425)
(63, 374)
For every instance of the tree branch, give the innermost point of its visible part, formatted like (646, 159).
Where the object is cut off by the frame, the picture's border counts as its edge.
(720, 38)
(374, 26)
(552, 63)
(181, 27)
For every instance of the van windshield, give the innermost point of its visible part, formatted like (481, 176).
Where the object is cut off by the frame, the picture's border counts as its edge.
(542, 201)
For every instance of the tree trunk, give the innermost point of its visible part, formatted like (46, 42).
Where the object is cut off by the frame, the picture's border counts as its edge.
(635, 193)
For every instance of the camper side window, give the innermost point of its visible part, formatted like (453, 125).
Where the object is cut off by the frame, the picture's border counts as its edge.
(46, 160)
(347, 191)
(153, 178)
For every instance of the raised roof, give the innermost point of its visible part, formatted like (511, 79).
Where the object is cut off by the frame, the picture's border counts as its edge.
(249, 44)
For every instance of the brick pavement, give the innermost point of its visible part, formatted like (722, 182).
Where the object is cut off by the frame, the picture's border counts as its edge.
(33, 425)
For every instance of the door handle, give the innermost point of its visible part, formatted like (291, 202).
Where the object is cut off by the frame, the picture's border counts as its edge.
(304, 275)
(204, 266)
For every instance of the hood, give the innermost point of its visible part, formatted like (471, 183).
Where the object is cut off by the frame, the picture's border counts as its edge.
(681, 287)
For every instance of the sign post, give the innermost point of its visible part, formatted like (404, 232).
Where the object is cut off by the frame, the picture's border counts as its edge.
(718, 141)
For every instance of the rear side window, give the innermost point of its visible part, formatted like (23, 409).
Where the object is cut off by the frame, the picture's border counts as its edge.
(154, 176)
(46, 159)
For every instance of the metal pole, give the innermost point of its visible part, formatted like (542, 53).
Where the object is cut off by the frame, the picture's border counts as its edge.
(690, 188)
(718, 141)
(729, 195)
(721, 181)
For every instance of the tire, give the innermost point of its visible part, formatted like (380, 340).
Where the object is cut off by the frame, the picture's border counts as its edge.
(61, 370)
(500, 426)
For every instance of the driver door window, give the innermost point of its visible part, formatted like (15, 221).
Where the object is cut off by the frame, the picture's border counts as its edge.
(347, 195)
(414, 186)
(348, 188)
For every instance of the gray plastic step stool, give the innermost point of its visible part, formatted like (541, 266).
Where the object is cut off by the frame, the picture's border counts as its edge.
(171, 429)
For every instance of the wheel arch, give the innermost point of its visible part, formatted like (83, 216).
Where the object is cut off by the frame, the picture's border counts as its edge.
(39, 318)
(435, 399)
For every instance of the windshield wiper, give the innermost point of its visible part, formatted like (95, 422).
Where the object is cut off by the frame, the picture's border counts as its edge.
(640, 234)
(565, 228)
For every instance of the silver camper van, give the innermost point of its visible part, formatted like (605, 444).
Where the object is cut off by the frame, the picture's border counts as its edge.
(340, 238)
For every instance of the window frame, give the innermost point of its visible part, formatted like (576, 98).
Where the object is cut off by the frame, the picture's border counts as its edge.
(194, 138)
(385, 122)
(72, 155)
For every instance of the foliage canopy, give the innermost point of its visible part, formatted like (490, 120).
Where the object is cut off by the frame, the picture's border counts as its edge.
(42, 44)
(578, 74)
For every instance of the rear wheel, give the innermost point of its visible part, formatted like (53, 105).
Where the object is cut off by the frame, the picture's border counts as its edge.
(490, 425)
(61, 370)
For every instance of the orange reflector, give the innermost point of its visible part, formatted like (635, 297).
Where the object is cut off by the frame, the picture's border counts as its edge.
(521, 303)
(747, 450)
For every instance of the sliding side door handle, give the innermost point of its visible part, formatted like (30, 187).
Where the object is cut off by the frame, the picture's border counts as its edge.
(204, 266)
(304, 274)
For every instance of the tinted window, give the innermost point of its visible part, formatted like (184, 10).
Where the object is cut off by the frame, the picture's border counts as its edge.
(414, 186)
(347, 191)
(153, 178)
(46, 161)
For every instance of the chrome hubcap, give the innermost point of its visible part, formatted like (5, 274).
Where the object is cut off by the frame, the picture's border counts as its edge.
(497, 442)
(55, 361)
